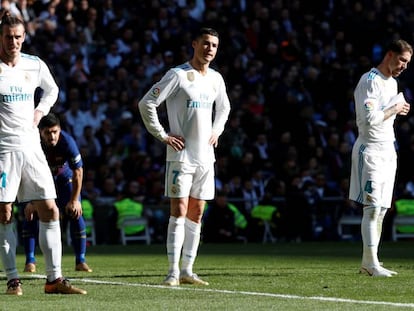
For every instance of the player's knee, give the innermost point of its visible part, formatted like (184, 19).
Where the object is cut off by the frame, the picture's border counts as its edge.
(372, 211)
(47, 210)
(6, 214)
(6, 217)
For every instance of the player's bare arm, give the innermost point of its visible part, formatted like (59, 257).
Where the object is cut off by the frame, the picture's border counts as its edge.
(74, 207)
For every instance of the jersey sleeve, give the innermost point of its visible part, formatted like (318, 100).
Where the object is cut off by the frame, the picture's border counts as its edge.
(222, 108)
(158, 93)
(367, 95)
(73, 155)
(50, 90)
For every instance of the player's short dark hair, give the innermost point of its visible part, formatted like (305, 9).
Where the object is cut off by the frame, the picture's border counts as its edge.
(400, 46)
(206, 31)
(10, 20)
(49, 120)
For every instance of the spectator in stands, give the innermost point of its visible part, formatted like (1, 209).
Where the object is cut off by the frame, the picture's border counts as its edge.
(75, 116)
(95, 114)
(234, 139)
(89, 146)
(298, 214)
(311, 66)
(223, 222)
(113, 58)
(90, 191)
(263, 152)
(106, 135)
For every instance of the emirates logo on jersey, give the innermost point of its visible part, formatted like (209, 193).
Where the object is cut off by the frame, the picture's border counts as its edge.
(190, 76)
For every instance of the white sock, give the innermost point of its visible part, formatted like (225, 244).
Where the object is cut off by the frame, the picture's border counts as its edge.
(51, 245)
(369, 232)
(8, 250)
(190, 247)
(175, 239)
(380, 222)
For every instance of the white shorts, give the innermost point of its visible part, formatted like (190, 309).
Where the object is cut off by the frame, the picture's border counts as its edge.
(25, 175)
(183, 180)
(373, 174)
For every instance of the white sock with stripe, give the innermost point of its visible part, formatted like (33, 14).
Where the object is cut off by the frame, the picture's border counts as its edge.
(175, 239)
(51, 245)
(370, 236)
(190, 247)
(8, 250)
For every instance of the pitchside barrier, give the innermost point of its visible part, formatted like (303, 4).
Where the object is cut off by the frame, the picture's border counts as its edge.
(326, 219)
(329, 218)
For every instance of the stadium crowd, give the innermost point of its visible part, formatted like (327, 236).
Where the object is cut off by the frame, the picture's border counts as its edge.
(290, 69)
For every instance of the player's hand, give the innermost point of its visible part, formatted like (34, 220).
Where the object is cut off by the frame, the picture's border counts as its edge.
(74, 209)
(405, 108)
(37, 116)
(175, 141)
(213, 140)
(29, 211)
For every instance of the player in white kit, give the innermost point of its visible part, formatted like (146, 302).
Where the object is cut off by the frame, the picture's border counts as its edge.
(24, 172)
(374, 158)
(198, 108)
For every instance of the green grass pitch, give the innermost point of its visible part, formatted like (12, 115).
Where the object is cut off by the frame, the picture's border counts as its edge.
(280, 276)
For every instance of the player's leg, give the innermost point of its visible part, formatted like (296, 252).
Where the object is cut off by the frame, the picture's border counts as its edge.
(10, 168)
(37, 184)
(177, 187)
(369, 230)
(77, 227)
(380, 222)
(388, 173)
(202, 189)
(51, 245)
(369, 227)
(30, 230)
(175, 239)
(77, 230)
(50, 237)
(366, 188)
(191, 242)
(8, 245)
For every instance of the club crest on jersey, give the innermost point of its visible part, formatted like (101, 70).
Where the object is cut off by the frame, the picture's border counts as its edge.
(155, 92)
(368, 106)
(174, 189)
(190, 76)
(27, 76)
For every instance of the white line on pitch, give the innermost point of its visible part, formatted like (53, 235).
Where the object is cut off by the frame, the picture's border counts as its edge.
(234, 292)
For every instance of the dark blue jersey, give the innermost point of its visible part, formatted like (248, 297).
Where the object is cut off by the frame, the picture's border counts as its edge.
(63, 158)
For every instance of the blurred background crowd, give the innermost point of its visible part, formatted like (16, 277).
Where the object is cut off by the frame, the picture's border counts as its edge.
(290, 68)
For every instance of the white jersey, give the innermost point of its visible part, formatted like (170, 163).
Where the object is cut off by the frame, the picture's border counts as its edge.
(189, 98)
(372, 96)
(17, 88)
(374, 159)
